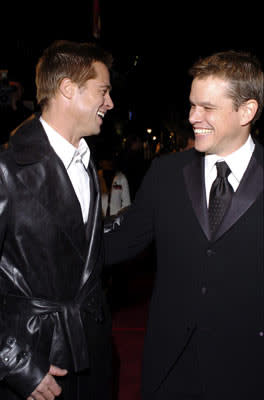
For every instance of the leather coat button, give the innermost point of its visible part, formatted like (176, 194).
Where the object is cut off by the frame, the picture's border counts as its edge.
(210, 252)
(11, 341)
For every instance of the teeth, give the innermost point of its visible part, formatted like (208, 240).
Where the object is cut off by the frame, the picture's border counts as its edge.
(203, 131)
(101, 114)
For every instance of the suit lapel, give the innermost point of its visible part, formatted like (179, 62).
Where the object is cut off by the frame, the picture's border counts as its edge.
(248, 191)
(194, 181)
(250, 187)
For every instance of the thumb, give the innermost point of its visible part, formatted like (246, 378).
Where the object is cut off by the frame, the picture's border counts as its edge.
(57, 371)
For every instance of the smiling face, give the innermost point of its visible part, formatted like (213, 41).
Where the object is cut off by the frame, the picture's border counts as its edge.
(91, 102)
(217, 126)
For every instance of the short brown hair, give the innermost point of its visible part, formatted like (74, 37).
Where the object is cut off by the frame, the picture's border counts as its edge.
(66, 59)
(242, 70)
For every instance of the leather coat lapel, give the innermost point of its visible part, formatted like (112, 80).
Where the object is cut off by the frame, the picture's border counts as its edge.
(43, 174)
(194, 180)
(250, 187)
(93, 226)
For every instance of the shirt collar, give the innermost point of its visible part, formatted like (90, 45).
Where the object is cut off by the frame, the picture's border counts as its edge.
(237, 161)
(64, 149)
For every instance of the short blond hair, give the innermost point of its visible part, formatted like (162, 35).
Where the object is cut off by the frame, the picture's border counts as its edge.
(66, 59)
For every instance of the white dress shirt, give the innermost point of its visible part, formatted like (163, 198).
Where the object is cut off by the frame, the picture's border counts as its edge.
(76, 162)
(237, 162)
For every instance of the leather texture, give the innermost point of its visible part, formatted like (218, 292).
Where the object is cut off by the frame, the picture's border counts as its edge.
(52, 303)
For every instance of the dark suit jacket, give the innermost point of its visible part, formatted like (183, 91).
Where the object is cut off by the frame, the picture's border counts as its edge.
(52, 306)
(210, 286)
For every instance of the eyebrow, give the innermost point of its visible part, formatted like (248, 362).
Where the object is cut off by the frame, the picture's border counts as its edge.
(104, 85)
(203, 104)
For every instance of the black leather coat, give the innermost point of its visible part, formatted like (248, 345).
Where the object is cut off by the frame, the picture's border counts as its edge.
(52, 306)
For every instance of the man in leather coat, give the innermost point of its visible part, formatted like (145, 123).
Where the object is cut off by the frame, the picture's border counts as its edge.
(55, 329)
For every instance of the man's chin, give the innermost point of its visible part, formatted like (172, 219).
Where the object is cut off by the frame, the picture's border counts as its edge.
(94, 133)
(201, 149)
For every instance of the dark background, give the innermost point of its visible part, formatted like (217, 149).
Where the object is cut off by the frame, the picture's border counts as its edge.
(149, 90)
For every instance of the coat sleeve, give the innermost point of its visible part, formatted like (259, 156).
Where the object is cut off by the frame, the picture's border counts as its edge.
(136, 229)
(18, 366)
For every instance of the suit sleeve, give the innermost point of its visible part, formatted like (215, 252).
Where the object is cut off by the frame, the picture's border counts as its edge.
(18, 366)
(136, 230)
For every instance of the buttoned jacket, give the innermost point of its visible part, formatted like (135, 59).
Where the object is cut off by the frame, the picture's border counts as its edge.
(210, 286)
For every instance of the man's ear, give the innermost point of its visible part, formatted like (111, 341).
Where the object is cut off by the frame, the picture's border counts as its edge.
(248, 111)
(67, 88)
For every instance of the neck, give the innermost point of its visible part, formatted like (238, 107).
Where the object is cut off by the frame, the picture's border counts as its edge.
(62, 126)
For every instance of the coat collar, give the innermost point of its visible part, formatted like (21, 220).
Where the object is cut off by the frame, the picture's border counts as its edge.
(29, 142)
(93, 227)
(44, 175)
(249, 189)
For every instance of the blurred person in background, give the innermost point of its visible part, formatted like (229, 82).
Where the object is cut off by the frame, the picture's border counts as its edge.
(13, 111)
(114, 186)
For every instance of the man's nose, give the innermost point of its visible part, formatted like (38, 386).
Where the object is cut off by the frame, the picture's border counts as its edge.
(195, 115)
(109, 102)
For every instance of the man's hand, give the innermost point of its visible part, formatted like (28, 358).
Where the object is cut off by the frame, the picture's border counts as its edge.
(48, 388)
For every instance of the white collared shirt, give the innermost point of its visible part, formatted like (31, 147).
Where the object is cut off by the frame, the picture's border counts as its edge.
(76, 162)
(237, 162)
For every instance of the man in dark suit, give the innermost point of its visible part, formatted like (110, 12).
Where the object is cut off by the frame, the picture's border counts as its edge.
(55, 328)
(205, 335)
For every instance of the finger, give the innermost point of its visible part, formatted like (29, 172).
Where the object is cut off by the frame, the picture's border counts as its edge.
(48, 395)
(37, 396)
(48, 385)
(55, 388)
(57, 371)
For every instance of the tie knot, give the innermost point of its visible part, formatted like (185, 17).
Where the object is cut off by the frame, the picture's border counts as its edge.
(223, 169)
